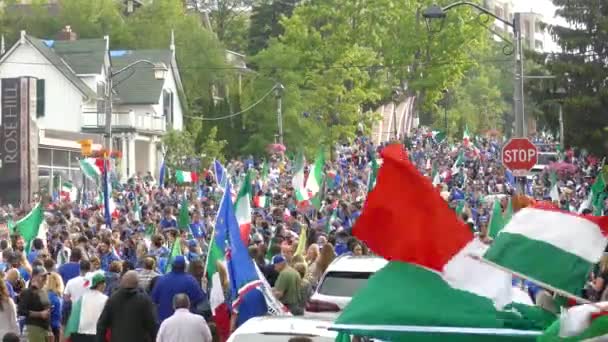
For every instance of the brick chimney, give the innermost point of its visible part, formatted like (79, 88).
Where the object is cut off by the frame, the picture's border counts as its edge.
(67, 34)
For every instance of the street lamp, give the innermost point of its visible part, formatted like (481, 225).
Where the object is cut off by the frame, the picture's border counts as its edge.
(446, 99)
(432, 13)
(435, 12)
(160, 73)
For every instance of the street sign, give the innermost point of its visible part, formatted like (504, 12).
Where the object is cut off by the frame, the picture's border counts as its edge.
(519, 155)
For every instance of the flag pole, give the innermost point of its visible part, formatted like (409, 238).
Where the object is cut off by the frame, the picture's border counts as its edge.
(538, 282)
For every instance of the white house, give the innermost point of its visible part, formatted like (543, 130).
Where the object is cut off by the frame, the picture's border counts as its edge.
(71, 78)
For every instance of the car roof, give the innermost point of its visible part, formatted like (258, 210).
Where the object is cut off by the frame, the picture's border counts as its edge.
(286, 325)
(351, 263)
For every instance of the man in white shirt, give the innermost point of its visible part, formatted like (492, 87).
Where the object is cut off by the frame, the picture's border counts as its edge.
(183, 326)
(82, 325)
(75, 287)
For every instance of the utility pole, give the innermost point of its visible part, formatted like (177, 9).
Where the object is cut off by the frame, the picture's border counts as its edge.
(108, 111)
(279, 94)
(518, 87)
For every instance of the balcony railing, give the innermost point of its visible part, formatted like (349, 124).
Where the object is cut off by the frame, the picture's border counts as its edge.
(138, 121)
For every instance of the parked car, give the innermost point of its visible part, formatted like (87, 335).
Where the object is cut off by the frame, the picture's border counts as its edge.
(282, 329)
(343, 277)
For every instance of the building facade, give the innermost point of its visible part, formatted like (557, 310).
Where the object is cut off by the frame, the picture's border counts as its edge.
(534, 34)
(71, 76)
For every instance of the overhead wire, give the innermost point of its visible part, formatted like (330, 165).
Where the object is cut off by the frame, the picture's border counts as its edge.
(250, 107)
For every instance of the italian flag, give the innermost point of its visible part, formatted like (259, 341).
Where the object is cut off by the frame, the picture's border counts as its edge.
(242, 208)
(435, 175)
(315, 178)
(373, 173)
(91, 168)
(85, 313)
(261, 201)
(185, 177)
(535, 238)
(69, 192)
(219, 309)
(298, 179)
(444, 291)
(466, 136)
(458, 163)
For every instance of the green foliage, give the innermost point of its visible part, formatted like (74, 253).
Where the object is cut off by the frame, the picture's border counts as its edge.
(265, 22)
(582, 71)
(192, 143)
(338, 58)
(482, 98)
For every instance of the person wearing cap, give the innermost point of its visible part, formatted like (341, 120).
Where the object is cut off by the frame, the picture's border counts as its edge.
(172, 283)
(193, 251)
(288, 286)
(35, 306)
(82, 324)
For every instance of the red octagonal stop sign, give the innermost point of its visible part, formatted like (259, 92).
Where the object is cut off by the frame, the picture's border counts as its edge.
(519, 155)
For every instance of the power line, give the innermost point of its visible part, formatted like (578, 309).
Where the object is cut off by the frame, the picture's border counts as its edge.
(237, 113)
(320, 68)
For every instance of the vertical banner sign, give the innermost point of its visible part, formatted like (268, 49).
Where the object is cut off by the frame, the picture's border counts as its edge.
(10, 141)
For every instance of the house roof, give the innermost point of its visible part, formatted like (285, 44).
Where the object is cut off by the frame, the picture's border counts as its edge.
(84, 56)
(138, 85)
(61, 65)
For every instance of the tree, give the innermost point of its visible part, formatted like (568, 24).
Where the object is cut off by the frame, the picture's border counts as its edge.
(582, 70)
(229, 21)
(337, 58)
(265, 22)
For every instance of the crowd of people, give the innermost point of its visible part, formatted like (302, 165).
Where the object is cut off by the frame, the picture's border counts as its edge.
(93, 280)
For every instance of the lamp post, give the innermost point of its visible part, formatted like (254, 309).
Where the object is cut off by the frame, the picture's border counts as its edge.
(160, 73)
(435, 12)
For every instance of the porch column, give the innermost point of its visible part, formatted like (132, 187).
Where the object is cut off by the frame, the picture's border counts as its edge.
(131, 159)
(152, 163)
(123, 162)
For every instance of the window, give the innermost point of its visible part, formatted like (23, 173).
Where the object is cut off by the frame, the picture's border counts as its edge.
(40, 104)
(168, 107)
(343, 284)
(44, 157)
(61, 158)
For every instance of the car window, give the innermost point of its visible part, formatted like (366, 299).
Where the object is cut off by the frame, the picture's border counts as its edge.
(343, 284)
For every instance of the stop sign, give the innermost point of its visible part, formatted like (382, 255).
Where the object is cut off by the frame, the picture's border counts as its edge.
(519, 155)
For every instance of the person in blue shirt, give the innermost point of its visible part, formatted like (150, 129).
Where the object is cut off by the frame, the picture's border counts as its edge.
(172, 283)
(37, 247)
(71, 269)
(197, 227)
(193, 253)
(54, 288)
(106, 254)
(168, 221)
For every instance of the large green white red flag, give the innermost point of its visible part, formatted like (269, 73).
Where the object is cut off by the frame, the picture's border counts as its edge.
(242, 208)
(537, 237)
(298, 178)
(435, 267)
